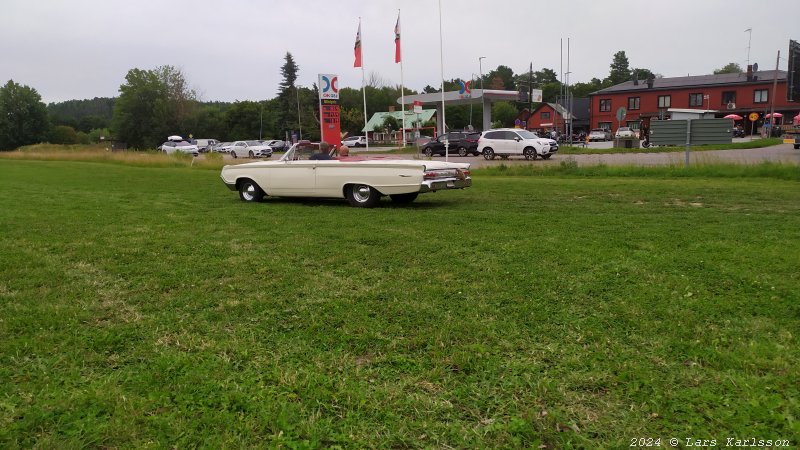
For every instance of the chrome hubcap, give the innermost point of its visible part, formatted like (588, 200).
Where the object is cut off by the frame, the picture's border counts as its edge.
(249, 192)
(361, 193)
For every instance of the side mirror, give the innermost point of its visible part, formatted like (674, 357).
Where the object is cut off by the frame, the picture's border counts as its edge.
(517, 139)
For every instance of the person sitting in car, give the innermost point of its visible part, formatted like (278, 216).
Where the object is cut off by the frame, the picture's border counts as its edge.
(324, 152)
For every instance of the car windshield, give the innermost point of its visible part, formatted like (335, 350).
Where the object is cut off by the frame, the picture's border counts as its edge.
(300, 152)
(253, 143)
(527, 134)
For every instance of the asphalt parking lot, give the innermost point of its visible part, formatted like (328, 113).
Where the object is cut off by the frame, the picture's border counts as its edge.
(784, 153)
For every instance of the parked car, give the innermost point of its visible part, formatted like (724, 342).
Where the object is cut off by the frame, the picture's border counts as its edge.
(222, 147)
(462, 143)
(355, 141)
(205, 145)
(250, 149)
(362, 181)
(624, 132)
(171, 147)
(276, 145)
(505, 142)
(599, 134)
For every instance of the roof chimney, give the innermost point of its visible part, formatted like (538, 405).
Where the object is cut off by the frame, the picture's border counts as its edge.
(650, 82)
(635, 77)
(749, 72)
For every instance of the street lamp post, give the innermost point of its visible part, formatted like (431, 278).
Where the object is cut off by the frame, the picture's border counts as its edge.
(299, 123)
(470, 105)
(483, 95)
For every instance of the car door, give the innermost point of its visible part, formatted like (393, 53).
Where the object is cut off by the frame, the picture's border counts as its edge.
(236, 148)
(508, 144)
(437, 145)
(295, 178)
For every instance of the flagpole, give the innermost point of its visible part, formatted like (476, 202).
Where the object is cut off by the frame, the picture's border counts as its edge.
(363, 88)
(441, 67)
(402, 86)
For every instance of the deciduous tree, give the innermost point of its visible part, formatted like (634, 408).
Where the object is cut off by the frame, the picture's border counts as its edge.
(152, 105)
(729, 68)
(23, 116)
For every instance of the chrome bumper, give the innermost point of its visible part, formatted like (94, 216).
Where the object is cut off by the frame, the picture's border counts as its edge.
(445, 183)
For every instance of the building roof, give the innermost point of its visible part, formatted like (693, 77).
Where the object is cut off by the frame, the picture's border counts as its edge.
(580, 107)
(376, 121)
(723, 79)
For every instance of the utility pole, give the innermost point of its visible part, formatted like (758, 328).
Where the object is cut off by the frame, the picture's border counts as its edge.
(483, 95)
(774, 93)
(299, 123)
(530, 95)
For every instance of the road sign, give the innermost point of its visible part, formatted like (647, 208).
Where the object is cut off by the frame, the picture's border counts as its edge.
(621, 113)
(753, 117)
(417, 107)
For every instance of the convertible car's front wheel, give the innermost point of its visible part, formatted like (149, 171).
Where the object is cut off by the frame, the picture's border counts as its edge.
(362, 196)
(249, 191)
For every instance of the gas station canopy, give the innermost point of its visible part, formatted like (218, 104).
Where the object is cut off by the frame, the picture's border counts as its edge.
(451, 98)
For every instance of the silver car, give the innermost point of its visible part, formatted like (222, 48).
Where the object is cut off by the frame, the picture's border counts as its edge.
(171, 147)
(250, 149)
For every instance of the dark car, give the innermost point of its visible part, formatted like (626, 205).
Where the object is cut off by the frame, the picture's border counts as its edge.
(276, 145)
(462, 143)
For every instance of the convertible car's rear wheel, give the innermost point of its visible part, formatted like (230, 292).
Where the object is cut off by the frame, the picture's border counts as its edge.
(362, 196)
(488, 153)
(249, 191)
(530, 153)
(404, 198)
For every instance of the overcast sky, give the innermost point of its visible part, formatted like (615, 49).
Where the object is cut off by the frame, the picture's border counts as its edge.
(233, 49)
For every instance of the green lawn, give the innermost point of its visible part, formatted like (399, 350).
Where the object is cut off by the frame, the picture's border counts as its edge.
(149, 307)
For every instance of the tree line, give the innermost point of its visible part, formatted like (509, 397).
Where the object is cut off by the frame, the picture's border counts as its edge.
(155, 103)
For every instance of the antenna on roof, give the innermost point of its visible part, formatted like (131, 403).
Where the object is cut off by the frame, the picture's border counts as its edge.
(755, 67)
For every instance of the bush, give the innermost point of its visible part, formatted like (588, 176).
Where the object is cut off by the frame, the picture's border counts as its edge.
(63, 135)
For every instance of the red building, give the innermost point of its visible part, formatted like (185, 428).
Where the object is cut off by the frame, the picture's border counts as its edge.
(738, 93)
(554, 116)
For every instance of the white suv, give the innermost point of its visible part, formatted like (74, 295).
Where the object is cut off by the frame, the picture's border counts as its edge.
(355, 141)
(505, 142)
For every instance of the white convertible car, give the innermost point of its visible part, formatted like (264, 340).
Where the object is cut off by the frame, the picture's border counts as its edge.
(305, 172)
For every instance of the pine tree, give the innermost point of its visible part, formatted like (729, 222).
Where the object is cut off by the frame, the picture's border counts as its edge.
(620, 69)
(289, 72)
(287, 94)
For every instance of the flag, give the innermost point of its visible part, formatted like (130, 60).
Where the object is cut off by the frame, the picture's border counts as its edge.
(397, 40)
(357, 48)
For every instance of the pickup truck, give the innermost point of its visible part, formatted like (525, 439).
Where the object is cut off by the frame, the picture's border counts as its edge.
(462, 143)
(791, 135)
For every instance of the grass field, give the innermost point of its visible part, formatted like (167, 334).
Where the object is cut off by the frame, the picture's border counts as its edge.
(149, 307)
